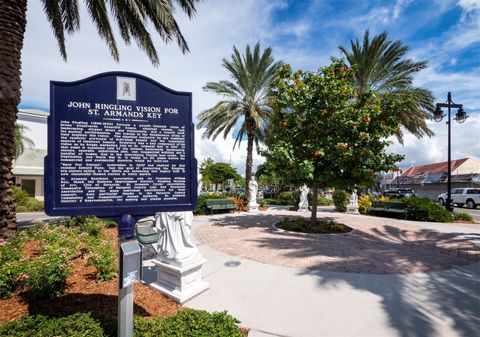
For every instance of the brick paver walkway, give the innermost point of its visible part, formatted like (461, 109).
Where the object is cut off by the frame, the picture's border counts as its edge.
(377, 245)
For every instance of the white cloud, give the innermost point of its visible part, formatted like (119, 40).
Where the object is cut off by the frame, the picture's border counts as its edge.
(221, 150)
(465, 143)
(400, 5)
(469, 5)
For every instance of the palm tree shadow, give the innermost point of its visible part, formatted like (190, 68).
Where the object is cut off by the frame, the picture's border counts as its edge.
(413, 303)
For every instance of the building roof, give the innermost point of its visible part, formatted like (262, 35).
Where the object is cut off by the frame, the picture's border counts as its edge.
(33, 115)
(433, 168)
(30, 162)
(432, 178)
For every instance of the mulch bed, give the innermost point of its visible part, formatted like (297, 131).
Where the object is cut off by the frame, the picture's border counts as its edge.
(85, 294)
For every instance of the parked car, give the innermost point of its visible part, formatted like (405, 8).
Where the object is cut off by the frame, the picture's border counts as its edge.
(399, 193)
(462, 196)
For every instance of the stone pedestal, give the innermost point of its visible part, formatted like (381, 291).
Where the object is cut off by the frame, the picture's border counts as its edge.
(352, 209)
(180, 281)
(303, 209)
(252, 208)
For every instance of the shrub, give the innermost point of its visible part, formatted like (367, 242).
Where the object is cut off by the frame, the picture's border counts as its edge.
(78, 325)
(47, 275)
(10, 254)
(340, 200)
(20, 196)
(424, 209)
(25, 203)
(102, 256)
(364, 203)
(322, 201)
(291, 197)
(462, 216)
(321, 227)
(240, 201)
(188, 323)
(202, 203)
(275, 202)
(110, 224)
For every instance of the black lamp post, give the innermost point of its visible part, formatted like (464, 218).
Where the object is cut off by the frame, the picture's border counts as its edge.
(460, 117)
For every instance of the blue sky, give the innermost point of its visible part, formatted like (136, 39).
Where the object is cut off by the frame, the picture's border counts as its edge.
(303, 33)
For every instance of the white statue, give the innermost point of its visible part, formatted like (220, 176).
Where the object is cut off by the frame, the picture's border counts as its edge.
(303, 205)
(178, 261)
(354, 198)
(174, 243)
(253, 187)
(352, 207)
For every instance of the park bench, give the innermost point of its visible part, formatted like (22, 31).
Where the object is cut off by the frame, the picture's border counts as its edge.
(220, 204)
(389, 207)
(146, 232)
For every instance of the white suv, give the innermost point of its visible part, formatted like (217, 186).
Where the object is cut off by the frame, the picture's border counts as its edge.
(462, 196)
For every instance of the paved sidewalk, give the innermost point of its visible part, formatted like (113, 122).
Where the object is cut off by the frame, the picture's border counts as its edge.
(377, 245)
(289, 301)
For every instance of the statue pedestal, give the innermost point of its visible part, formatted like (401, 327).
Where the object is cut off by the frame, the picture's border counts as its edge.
(303, 209)
(352, 209)
(252, 208)
(180, 281)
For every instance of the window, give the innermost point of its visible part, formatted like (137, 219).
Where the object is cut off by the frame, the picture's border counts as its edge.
(473, 191)
(29, 186)
(457, 191)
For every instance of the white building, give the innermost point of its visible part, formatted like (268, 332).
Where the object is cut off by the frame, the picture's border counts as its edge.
(28, 169)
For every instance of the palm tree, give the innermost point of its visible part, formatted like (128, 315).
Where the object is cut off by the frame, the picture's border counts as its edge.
(132, 17)
(21, 140)
(380, 65)
(245, 100)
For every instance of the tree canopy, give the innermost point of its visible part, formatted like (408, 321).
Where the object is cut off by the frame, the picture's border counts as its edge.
(218, 173)
(325, 134)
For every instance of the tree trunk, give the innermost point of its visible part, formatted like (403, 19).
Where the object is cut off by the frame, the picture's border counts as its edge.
(313, 218)
(248, 165)
(13, 21)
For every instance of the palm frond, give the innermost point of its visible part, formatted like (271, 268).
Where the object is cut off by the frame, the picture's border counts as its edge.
(99, 14)
(54, 15)
(131, 16)
(381, 65)
(70, 15)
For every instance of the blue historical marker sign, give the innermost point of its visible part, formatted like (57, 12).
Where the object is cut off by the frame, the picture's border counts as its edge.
(119, 143)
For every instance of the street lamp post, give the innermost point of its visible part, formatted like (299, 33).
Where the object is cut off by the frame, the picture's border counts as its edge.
(460, 117)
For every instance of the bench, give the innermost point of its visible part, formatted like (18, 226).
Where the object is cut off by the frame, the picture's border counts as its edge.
(146, 232)
(389, 207)
(220, 204)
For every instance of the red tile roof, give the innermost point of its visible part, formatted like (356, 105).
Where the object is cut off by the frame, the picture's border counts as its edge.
(433, 168)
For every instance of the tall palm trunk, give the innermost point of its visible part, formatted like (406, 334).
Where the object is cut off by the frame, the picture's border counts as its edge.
(249, 164)
(13, 20)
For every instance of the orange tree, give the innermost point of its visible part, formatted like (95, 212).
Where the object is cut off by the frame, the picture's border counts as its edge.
(324, 134)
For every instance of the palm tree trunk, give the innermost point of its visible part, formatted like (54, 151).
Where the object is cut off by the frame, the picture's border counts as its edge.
(313, 217)
(13, 20)
(249, 164)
